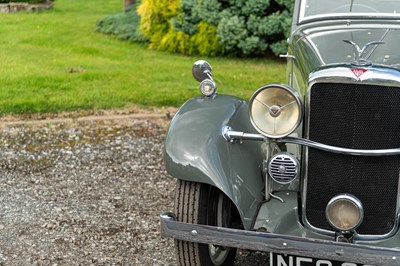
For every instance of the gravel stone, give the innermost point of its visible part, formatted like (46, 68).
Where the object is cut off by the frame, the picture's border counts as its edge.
(87, 193)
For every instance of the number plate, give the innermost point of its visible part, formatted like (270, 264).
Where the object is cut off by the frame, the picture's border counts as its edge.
(291, 260)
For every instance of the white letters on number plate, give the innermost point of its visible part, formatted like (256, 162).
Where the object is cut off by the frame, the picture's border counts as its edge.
(290, 260)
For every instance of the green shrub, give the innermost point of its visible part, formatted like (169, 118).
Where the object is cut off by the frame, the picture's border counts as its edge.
(204, 42)
(155, 19)
(177, 26)
(237, 27)
(124, 25)
(254, 27)
(206, 27)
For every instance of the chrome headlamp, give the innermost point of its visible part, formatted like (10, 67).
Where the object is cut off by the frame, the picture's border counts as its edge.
(345, 212)
(208, 87)
(276, 110)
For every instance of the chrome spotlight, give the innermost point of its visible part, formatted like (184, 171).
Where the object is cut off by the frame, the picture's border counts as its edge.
(208, 87)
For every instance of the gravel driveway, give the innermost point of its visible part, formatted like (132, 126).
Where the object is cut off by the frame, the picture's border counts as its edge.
(86, 193)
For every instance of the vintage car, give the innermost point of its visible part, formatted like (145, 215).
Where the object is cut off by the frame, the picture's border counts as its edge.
(307, 170)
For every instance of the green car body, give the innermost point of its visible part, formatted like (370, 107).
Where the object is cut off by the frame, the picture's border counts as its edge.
(347, 48)
(195, 150)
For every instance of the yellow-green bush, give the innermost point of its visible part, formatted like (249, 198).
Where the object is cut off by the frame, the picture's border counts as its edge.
(175, 42)
(155, 18)
(160, 22)
(205, 42)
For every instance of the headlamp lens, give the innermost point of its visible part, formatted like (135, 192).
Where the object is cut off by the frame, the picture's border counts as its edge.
(208, 87)
(276, 110)
(344, 212)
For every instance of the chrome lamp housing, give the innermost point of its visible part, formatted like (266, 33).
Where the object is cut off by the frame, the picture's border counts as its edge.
(345, 212)
(276, 110)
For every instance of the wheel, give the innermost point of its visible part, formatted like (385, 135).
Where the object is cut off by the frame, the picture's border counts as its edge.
(203, 204)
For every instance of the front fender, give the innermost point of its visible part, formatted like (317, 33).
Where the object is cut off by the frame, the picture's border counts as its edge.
(195, 150)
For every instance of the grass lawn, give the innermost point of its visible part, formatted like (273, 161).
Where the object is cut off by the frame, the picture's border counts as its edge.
(54, 61)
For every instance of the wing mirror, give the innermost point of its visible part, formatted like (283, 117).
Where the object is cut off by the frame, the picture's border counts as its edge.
(202, 70)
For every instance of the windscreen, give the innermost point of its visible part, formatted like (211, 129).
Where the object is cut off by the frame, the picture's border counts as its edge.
(312, 9)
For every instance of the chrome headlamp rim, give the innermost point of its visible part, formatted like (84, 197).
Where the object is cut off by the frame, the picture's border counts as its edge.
(298, 101)
(208, 87)
(352, 199)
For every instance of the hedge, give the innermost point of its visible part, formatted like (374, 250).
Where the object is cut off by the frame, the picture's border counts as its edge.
(242, 28)
(124, 25)
(217, 27)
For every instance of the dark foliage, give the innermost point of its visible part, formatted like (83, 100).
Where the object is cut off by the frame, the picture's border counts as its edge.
(124, 25)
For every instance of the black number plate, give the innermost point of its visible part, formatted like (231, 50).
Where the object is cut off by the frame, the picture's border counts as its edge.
(291, 260)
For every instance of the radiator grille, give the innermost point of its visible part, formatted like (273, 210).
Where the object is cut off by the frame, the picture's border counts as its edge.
(359, 117)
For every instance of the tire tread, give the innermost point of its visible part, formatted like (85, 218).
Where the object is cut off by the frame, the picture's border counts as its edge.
(187, 197)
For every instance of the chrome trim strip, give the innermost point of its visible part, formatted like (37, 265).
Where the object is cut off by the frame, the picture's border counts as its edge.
(332, 149)
(376, 75)
(268, 242)
(345, 16)
(232, 136)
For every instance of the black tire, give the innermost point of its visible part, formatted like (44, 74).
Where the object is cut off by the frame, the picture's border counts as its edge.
(203, 204)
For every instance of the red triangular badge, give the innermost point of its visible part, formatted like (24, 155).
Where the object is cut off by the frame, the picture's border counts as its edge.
(358, 72)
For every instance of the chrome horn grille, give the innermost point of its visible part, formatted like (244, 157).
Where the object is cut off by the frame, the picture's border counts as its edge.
(283, 168)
